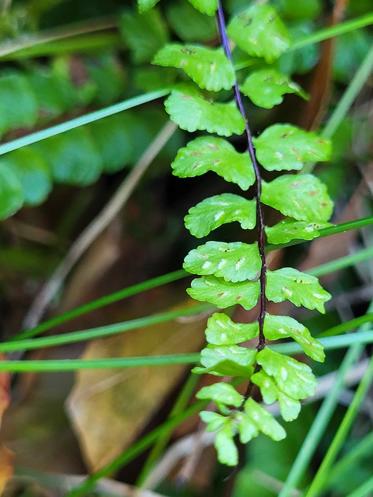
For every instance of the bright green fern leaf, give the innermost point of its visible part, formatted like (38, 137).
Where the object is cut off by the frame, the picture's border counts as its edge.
(279, 327)
(235, 261)
(209, 68)
(209, 153)
(218, 210)
(221, 393)
(208, 7)
(294, 378)
(229, 360)
(259, 32)
(247, 428)
(266, 88)
(191, 111)
(285, 147)
(11, 192)
(306, 197)
(270, 391)
(213, 420)
(225, 446)
(264, 421)
(299, 288)
(287, 230)
(221, 330)
(218, 292)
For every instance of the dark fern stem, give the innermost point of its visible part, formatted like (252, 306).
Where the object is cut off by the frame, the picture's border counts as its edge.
(258, 188)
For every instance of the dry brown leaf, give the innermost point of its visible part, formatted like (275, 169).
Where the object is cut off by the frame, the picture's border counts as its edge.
(4, 390)
(108, 408)
(6, 455)
(6, 467)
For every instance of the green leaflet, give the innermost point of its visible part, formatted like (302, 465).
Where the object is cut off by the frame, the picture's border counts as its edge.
(221, 330)
(264, 421)
(221, 393)
(229, 360)
(18, 105)
(279, 327)
(299, 288)
(306, 197)
(32, 173)
(224, 443)
(218, 210)
(294, 378)
(145, 5)
(289, 407)
(259, 32)
(266, 88)
(74, 161)
(213, 420)
(208, 7)
(247, 429)
(191, 111)
(209, 68)
(287, 230)
(223, 294)
(144, 34)
(235, 261)
(209, 153)
(285, 147)
(11, 193)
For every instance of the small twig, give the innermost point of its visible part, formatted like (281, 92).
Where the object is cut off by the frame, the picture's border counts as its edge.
(64, 483)
(96, 227)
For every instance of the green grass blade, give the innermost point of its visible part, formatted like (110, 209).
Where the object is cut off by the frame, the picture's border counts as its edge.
(329, 343)
(43, 366)
(102, 331)
(332, 230)
(322, 474)
(351, 458)
(45, 37)
(59, 365)
(81, 121)
(348, 325)
(342, 262)
(102, 302)
(333, 31)
(353, 89)
(85, 43)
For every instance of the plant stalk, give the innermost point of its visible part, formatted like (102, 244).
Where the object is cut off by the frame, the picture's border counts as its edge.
(258, 187)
